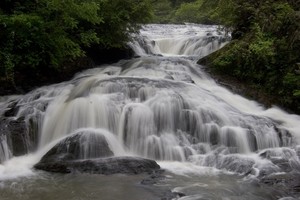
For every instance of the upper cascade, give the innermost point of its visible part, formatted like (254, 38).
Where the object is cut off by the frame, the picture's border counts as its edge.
(179, 40)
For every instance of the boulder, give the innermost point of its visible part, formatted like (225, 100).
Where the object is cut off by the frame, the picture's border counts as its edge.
(81, 145)
(89, 152)
(236, 164)
(16, 136)
(107, 166)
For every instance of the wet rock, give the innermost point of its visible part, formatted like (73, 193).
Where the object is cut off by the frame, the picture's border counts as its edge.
(187, 152)
(214, 136)
(107, 166)
(236, 164)
(267, 170)
(16, 134)
(287, 182)
(89, 152)
(82, 145)
(155, 177)
(285, 137)
(252, 141)
(284, 159)
(169, 195)
(169, 77)
(5, 152)
(148, 181)
(282, 163)
(12, 109)
(298, 151)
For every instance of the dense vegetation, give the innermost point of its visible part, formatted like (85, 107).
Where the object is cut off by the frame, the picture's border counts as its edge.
(191, 11)
(39, 37)
(264, 52)
(165, 10)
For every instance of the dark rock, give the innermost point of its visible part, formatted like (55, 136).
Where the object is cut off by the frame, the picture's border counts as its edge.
(282, 163)
(16, 133)
(155, 177)
(107, 166)
(81, 145)
(169, 77)
(288, 182)
(163, 193)
(285, 137)
(169, 195)
(214, 136)
(19, 137)
(267, 154)
(12, 109)
(236, 164)
(266, 171)
(187, 152)
(298, 151)
(89, 152)
(252, 140)
(148, 181)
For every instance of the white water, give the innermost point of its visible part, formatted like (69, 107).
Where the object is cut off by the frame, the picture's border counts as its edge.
(161, 106)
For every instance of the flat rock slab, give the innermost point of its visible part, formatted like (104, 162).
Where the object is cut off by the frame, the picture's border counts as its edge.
(107, 166)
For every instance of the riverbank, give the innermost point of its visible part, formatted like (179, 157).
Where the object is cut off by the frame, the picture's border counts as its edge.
(243, 89)
(247, 88)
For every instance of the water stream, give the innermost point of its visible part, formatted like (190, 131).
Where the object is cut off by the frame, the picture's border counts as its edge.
(160, 105)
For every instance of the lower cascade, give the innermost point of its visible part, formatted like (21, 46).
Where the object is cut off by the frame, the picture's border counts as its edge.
(159, 105)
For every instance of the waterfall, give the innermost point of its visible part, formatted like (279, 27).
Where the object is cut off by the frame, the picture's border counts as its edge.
(184, 40)
(158, 105)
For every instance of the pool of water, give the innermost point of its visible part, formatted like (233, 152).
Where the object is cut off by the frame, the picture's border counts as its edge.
(194, 182)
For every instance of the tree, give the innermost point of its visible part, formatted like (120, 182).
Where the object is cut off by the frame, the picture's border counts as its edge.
(37, 35)
(264, 51)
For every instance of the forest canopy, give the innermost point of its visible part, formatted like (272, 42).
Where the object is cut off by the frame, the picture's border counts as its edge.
(41, 34)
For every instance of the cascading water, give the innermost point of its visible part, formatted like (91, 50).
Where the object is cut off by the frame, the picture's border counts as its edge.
(159, 105)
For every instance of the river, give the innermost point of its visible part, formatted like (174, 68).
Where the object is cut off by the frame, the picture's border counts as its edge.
(160, 105)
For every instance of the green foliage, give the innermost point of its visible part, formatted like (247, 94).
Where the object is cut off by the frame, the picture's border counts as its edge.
(189, 12)
(36, 35)
(174, 11)
(163, 11)
(120, 18)
(195, 11)
(265, 47)
(291, 80)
